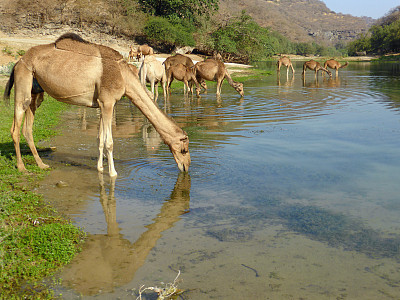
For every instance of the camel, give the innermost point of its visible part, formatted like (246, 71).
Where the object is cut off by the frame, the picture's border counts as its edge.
(132, 54)
(143, 50)
(78, 72)
(334, 64)
(185, 74)
(215, 70)
(315, 66)
(287, 63)
(178, 59)
(152, 71)
(134, 69)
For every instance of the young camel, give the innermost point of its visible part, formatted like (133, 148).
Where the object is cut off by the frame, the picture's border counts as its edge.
(215, 70)
(315, 66)
(334, 64)
(152, 71)
(185, 74)
(287, 63)
(132, 54)
(77, 72)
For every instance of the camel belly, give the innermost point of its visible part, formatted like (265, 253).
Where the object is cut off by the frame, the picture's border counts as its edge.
(70, 77)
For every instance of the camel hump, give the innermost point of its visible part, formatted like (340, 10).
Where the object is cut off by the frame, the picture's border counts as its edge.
(74, 43)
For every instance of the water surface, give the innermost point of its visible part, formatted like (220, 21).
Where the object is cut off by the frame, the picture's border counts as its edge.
(292, 193)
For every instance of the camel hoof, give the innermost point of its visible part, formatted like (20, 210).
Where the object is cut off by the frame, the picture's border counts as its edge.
(44, 166)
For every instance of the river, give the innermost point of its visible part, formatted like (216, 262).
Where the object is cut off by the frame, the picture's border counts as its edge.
(293, 192)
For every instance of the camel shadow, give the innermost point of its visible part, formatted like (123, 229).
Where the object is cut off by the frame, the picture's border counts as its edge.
(110, 260)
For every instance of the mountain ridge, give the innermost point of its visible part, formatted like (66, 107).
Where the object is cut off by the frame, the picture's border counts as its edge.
(300, 20)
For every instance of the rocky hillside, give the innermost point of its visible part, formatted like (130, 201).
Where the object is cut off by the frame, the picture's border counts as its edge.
(299, 20)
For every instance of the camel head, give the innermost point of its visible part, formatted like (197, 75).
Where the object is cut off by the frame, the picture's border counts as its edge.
(180, 151)
(238, 86)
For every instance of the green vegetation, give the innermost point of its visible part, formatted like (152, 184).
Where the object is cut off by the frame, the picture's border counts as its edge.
(35, 240)
(382, 38)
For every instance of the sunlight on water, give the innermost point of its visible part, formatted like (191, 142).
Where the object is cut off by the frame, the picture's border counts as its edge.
(292, 193)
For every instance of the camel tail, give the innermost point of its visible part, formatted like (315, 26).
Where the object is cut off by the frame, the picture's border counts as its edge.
(345, 65)
(7, 90)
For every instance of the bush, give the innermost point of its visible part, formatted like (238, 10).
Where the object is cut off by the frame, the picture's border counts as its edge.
(161, 30)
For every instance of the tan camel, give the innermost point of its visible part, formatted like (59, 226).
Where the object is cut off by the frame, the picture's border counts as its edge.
(215, 70)
(178, 59)
(134, 69)
(77, 72)
(334, 64)
(315, 66)
(143, 50)
(287, 63)
(152, 71)
(132, 54)
(185, 74)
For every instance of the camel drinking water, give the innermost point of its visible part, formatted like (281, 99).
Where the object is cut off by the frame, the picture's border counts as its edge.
(287, 63)
(334, 64)
(315, 66)
(215, 70)
(77, 72)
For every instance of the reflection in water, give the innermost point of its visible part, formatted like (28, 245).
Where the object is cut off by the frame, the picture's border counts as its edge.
(288, 82)
(108, 261)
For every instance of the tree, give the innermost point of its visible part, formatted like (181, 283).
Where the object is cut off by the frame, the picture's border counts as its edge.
(180, 9)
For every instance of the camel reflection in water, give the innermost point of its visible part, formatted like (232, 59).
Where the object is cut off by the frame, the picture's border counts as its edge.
(109, 260)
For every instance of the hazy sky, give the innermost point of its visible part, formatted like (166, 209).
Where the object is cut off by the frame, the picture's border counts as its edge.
(369, 8)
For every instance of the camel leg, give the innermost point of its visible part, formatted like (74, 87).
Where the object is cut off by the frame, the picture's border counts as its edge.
(287, 73)
(105, 133)
(22, 100)
(292, 68)
(156, 88)
(100, 137)
(27, 128)
(219, 86)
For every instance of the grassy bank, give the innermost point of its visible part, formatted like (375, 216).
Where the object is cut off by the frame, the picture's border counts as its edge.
(35, 240)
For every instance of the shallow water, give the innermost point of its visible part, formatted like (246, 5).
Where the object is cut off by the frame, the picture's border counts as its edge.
(292, 193)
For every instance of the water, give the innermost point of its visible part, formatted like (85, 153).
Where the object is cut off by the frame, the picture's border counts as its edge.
(292, 193)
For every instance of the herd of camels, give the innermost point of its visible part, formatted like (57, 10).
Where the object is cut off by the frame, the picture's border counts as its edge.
(311, 65)
(75, 71)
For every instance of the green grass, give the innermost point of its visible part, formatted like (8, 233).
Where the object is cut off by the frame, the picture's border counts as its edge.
(35, 240)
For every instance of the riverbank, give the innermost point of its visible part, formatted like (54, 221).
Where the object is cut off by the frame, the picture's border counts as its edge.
(35, 240)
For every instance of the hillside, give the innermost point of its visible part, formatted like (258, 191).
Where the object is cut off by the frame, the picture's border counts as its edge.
(299, 20)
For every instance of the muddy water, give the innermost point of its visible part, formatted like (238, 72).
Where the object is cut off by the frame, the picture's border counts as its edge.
(293, 193)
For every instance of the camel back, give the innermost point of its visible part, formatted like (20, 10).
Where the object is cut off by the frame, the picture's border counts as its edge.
(68, 43)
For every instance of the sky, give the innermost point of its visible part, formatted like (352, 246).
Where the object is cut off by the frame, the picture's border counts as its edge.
(359, 8)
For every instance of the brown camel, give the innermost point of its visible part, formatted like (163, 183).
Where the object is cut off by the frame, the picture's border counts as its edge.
(77, 72)
(185, 74)
(143, 50)
(334, 64)
(178, 59)
(215, 70)
(287, 63)
(315, 66)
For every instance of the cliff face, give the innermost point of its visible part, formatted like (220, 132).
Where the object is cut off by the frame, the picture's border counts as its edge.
(299, 20)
